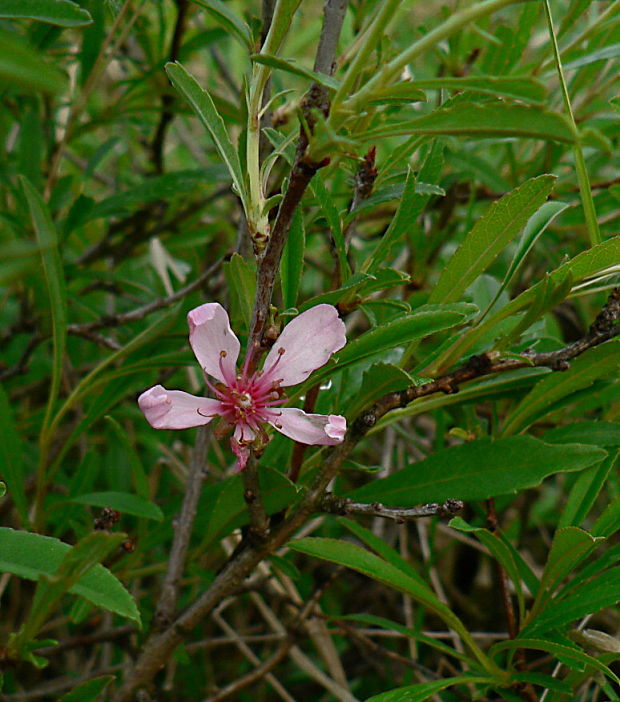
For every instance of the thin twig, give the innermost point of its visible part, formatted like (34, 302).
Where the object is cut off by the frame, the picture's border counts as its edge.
(116, 320)
(332, 504)
(183, 530)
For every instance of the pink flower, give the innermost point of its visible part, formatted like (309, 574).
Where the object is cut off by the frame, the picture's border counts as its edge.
(246, 401)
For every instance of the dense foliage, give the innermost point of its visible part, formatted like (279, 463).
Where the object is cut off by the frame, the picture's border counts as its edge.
(445, 176)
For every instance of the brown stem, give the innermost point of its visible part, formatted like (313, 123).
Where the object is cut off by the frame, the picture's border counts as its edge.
(183, 530)
(332, 504)
(299, 450)
(167, 100)
(259, 522)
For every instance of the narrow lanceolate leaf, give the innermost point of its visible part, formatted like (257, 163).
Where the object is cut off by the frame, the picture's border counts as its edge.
(487, 120)
(202, 104)
(123, 502)
(31, 556)
(62, 13)
(241, 279)
(293, 261)
(525, 88)
(568, 653)
(426, 690)
(55, 282)
(402, 220)
(584, 266)
(425, 321)
(291, 66)
(11, 457)
(590, 597)
(228, 19)
(88, 691)
(490, 235)
(478, 470)
(584, 370)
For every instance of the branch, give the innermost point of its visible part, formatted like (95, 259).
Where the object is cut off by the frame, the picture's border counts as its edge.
(183, 530)
(332, 504)
(159, 648)
(259, 521)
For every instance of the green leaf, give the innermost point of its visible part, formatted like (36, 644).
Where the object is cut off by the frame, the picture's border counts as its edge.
(597, 432)
(11, 458)
(535, 226)
(62, 13)
(140, 479)
(426, 690)
(490, 235)
(122, 502)
(482, 121)
(478, 470)
(423, 322)
(397, 94)
(292, 264)
(56, 290)
(377, 381)
(584, 370)
(603, 54)
(404, 217)
(241, 279)
(569, 548)
(23, 69)
(235, 25)
(202, 104)
(88, 691)
(31, 556)
(584, 266)
(569, 653)
(329, 210)
(586, 489)
(361, 560)
(291, 66)
(590, 597)
(609, 522)
(525, 88)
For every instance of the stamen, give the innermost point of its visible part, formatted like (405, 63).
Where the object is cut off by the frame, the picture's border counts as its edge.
(269, 371)
(214, 390)
(215, 414)
(230, 379)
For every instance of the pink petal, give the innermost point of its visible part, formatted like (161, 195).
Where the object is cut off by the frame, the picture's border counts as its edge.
(307, 342)
(213, 341)
(174, 409)
(240, 444)
(313, 429)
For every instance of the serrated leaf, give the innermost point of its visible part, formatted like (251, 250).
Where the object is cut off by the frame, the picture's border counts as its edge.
(478, 470)
(482, 121)
(31, 556)
(584, 370)
(62, 13)
(123, 502)
(489, 236)
(202, 104)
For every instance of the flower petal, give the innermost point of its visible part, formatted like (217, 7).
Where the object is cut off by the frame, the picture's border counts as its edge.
(313, 429)
(213, 341)
(240, 444)
(305, 345)
(175, 409)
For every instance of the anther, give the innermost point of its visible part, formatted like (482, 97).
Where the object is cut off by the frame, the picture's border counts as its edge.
(223, 353)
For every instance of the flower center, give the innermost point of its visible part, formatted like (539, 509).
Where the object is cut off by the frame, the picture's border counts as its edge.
(244, 400)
